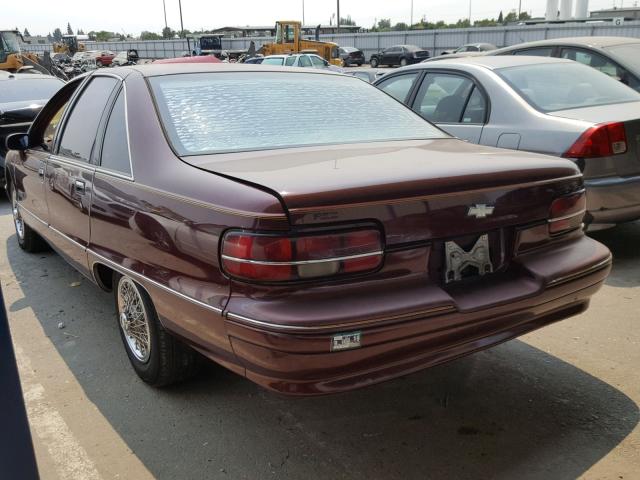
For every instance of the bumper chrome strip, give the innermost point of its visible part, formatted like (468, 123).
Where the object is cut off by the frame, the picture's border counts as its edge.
(592, 269)
(336, 326)
(566, 217)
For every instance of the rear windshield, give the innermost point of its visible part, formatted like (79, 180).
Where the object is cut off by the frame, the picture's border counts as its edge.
(28, 89)
(227, 112)
(273, 61)
(562, 86)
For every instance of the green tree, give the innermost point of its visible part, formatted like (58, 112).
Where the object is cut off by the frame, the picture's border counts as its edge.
(512, 16)
(500, 17)
(524, 16)
(347, 21)
(103, 36)
(57, 35)
(168, 33)
(150, 36)
(26, 33)
(400, 26)
(69, 29)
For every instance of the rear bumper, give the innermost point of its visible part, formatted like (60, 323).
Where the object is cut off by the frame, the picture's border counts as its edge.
(296, 359)
(613, 199)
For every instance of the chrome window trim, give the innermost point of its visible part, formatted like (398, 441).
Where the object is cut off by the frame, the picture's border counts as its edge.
(303, 262)
(144, 278)
(72, 163)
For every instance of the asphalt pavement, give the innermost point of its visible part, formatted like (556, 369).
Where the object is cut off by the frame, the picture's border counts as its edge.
(559, 403)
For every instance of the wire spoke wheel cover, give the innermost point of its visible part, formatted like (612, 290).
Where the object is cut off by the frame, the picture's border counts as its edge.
(134, 319)
(17, 217)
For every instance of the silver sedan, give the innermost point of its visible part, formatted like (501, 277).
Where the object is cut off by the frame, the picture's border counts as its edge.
(546, 105)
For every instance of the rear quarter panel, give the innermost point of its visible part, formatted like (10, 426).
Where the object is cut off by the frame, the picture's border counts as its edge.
(165, 224)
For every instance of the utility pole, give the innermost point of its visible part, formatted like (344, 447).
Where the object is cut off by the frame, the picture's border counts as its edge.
(519, 9)
(411, 22)
(338, 29)
(164, 7)
(303, 13)
(182, 27)
(469, 12)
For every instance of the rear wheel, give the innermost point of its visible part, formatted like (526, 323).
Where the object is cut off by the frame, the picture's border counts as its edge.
(403, 62)
(157, 357)
(374, 62)
(28, 239)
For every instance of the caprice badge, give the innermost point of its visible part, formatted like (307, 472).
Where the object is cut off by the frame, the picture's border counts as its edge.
(345, 341)
(480, 210)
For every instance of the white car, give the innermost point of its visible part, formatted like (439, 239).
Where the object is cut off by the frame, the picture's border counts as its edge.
(120, 59)
(305, 60)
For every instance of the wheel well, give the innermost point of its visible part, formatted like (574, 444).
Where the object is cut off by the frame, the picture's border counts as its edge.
(103, 276)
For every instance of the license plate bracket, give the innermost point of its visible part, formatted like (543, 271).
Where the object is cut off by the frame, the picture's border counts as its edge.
(460, 261)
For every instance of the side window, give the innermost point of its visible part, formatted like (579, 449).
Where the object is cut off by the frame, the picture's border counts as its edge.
(290, 61)
(537, 52)
(443, 97)
(52, 127)
(115, 148)
(81, 128)
(304, 61)
(476, 111)
(400, 86)
(594, 60)
(317, 61)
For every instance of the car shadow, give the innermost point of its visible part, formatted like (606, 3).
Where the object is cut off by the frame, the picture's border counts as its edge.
(624, 243)
(510, 412)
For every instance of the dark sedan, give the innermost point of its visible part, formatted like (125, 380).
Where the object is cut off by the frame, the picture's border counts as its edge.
(21, 98)
(311, 251)
(401, 55)
(351, 56)
(618, 57)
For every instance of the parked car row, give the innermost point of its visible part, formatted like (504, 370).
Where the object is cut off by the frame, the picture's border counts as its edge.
(546, 105)
(315, 248)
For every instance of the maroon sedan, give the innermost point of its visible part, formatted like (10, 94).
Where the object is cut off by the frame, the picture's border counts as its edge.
(234, 212)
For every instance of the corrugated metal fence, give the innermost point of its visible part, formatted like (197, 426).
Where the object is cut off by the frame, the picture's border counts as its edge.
(434, 40)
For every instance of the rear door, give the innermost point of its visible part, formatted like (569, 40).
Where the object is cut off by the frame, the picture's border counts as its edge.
(70, 170)
(454, 102)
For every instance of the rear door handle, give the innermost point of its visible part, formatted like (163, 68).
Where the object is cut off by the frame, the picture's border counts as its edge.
(80, 186)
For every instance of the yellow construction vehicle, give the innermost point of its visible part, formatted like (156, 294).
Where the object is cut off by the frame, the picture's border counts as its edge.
(70, 44)
(289, 40)
(12, 58)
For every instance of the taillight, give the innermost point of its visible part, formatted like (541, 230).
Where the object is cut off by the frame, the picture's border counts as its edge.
(601, 140)
(282, 258)
(566, 213)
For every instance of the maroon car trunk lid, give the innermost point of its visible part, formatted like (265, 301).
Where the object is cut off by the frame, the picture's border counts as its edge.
(417, 190)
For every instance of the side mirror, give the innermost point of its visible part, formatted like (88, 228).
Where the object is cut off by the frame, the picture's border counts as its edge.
(17, 141)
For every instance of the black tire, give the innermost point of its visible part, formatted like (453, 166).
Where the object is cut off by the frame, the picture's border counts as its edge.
(374, 62)
(28, 239)
(346, 63)
(403, 62)
(359, 64)
(168, 360)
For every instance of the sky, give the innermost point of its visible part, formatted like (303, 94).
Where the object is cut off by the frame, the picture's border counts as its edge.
(131, 16)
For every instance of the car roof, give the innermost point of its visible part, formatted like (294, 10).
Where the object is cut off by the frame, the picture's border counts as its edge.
(597, 42)
(155, 69)
(490, 62)
(24, 76)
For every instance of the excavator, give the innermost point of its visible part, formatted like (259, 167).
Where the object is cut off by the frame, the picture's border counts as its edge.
(70, 44)
(289, 40)
(12, 58)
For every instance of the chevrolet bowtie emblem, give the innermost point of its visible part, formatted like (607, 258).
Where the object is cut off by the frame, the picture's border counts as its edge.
(480, 210)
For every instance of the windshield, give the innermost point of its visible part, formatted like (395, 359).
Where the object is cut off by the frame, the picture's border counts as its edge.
(9, 42)
(273, 61)
(629, 54)
(26, 90)
(210, 43)
(227, 112)
(561, 86)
